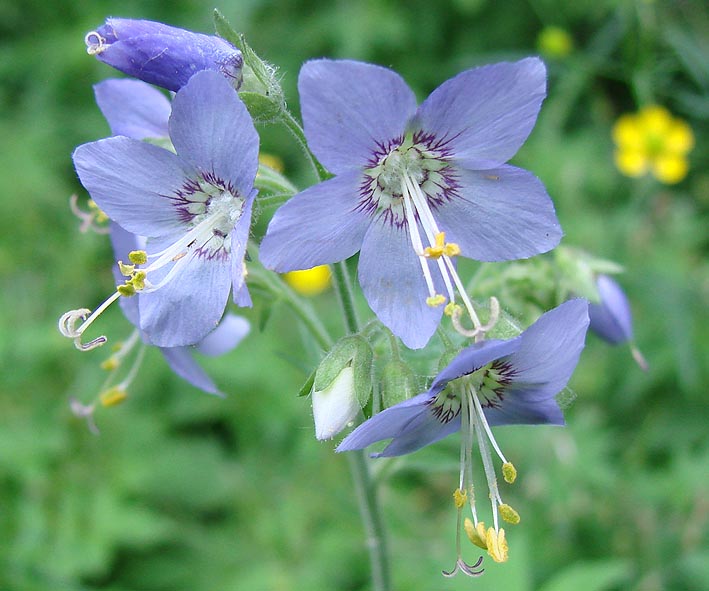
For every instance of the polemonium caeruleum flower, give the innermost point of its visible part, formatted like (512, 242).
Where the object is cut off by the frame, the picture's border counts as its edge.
(490, 383)
(611, 318)
(415, 187)
(232, 329)
(160, 54)
(193, 206)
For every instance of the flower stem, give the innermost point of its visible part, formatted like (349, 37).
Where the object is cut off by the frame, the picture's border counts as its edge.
(343, 287)
(294, 127)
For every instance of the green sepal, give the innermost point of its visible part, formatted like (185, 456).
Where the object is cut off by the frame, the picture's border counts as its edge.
(260, 89)
(578, 271)
(307, 387)
(398, 383)
(350, 351)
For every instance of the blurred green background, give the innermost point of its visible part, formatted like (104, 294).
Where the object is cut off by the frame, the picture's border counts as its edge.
(187, 492)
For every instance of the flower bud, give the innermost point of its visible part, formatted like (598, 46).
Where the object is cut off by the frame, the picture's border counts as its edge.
(162, 55)
(398, 383)
(342, 385)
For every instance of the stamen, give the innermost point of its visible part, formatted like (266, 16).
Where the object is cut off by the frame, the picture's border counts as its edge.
(89, 220)
(94, 43)
(509, 472)
(497, 544)
(509, 514)
(476, 533)
(113, 396)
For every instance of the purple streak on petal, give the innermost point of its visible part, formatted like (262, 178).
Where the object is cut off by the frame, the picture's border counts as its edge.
(485, 114)
(129, 180)
(612, 319)
(183, 363)
(133, 108)
(349, 108)
(239, 241)
(500, 214)
(212, 130)
(393, 283)
(318, 226)
(189, 307)
(549, 351)
(163, 55)
(473, 358)
(231, 331)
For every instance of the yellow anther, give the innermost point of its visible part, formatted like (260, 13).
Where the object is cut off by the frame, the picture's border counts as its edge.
(435, 301)
(126, 290)
(138, 280)
(98, 212)
(476, 534)
(496, 544)
(451, 249)
(509, 473)
(113, 396)
(110, 364)
(459, 498)
(126, 270)
(450, 308)
(138, 257)
(509, 514)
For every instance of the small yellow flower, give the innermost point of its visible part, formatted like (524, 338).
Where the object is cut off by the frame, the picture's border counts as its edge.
(651, 140)
(555, 42)
(273, 162)
(309, 282)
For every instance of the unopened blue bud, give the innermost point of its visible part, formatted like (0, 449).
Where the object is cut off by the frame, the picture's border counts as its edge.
(162, 55)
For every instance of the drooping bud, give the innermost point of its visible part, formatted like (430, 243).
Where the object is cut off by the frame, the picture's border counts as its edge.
(342, 385)
(160, 54)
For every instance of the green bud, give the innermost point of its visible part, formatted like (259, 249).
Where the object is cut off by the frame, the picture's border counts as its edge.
(578, 271)
(342, 385)
(398, 383)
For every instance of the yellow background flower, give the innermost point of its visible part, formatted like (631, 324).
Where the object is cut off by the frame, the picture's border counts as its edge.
(653, 141)
(309, 282)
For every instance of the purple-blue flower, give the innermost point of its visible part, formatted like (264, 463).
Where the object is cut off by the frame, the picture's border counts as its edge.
(490, 383)
(194, 207)
(232, 329)
(415, 186)
(611, 318)
(162, 55)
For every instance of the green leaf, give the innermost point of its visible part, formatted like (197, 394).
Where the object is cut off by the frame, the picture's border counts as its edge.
(307, 387)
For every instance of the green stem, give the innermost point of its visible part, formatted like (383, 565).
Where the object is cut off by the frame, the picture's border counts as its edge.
(343, 288)
(294, 127)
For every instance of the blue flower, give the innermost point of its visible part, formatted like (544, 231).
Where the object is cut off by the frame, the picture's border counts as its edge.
(194, 207)
(490, 383)
(612, 319)
(442, 164)
(162, 55)
(232, 329)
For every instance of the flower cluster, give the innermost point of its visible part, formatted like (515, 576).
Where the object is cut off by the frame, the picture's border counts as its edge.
(411, 188)
(653, 141)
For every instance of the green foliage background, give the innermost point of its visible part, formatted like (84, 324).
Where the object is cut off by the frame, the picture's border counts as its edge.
(186, 492)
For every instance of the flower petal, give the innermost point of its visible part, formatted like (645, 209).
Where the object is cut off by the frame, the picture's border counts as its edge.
(183, 363)
(130, 180)
(349, 108)
(485, 114)
(187, 308)
(387, 424)
(612, 319)
(549, 350)
(473, 358)
(239, 241)
(420, 432)
(231, 331)
(500, 214)
(212, 130)
(133, 108)
(392, 281)
(517, 411)
(321, 225)
(124, 242)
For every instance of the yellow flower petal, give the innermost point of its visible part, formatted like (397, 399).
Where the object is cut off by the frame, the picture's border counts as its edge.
(655, 120)
(627, 133)
(631, 162)
(670, 169)
(309, 282)
(679, 139)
